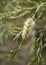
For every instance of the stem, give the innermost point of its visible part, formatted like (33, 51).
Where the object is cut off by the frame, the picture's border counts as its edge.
(38, 8)
(16, 50)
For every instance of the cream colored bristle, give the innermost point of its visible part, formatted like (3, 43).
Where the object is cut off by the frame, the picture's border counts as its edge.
(28, 25)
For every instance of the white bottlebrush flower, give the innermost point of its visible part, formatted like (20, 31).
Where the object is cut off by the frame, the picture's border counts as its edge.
(28, 25)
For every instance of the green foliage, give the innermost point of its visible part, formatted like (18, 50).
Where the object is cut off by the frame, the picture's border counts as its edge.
(12, 11)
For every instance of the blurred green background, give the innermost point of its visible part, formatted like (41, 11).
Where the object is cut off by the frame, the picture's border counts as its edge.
(13, 14)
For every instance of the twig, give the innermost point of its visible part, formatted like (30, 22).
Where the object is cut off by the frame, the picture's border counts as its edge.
(38, 8)
(39, 17)
(17, 36)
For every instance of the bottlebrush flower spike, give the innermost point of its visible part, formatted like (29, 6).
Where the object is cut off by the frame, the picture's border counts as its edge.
(28, 25)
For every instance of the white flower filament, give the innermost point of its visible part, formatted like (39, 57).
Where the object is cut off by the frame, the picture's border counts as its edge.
(28, 25)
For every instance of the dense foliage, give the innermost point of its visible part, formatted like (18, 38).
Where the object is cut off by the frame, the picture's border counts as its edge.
(13, 14)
